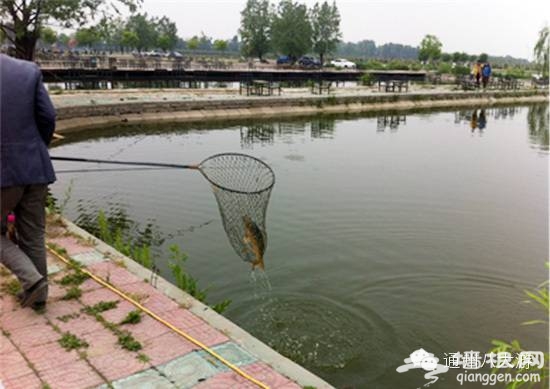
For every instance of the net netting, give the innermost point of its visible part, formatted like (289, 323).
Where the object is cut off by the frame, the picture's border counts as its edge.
(242, 186)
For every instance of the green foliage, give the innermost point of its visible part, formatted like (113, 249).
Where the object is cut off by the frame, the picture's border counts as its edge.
(143, 358)
(444, 68)
(542, 49)
(255, 28)
(23, 20)
(193, 43)
(87, 37)
(75, 278)
(483, 57)
(11, 287)
(71, 342)
(73, 293)
(221, 306)
(460, 70)
(167, 33)
(129, 39)
(367, 79)
(125, 236)
(512, 72)
(113, 231)
(539, 296)
(430, 48)
(145, 30)
(325, 23)
(396, 64)
(220, 45)
(48, 35)
(128, 342)
(371, 64)
(133, 317)
(102, 306)
(183, 280)
(67, 317)
(291, 30)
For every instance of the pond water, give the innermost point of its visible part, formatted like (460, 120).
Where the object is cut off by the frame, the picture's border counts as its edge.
(387, 233)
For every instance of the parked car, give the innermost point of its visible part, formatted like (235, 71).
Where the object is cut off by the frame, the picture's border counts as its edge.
(343, 64)
(174, 54)
(284, 60)
(309, 62)
(155, 54)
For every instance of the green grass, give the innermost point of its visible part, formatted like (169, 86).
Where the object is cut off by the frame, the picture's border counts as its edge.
(143, 358)
(66, 318)
(72, 293)
(128, 342)
(102, 306)
(76, 278)
(12, 287)
(132, 317)
(71, 342)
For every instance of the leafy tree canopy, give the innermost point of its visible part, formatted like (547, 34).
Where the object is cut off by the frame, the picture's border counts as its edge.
(325, 23)
(22, 21)
(430, 48)
(291, 29)
(255, 28)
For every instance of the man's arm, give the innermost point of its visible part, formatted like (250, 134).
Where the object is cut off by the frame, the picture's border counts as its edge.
(44, 111)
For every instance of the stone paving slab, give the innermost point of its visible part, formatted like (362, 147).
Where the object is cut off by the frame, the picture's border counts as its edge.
(79, 342)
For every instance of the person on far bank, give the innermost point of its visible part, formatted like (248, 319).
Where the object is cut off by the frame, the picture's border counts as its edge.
(476, 72)
(27, 123)
(486, 74)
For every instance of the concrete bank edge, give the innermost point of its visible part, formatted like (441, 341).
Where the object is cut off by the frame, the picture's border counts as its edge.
(264, 353)
(80, 118)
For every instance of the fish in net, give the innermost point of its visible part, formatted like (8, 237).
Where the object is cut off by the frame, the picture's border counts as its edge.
(242, 186)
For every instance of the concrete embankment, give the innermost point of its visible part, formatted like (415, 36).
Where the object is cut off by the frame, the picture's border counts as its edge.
(71, 118)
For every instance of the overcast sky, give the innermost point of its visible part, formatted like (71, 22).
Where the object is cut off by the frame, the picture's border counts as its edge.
(498, 27)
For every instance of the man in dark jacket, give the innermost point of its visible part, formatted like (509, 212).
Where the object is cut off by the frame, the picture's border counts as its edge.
(27, 123)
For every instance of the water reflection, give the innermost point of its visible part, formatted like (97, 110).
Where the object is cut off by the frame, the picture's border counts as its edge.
(478, 120)
(262, 134)
(391, 121)
(537, 120)
(495, 113)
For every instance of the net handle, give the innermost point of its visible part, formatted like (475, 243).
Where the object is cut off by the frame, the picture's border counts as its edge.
(133, 163)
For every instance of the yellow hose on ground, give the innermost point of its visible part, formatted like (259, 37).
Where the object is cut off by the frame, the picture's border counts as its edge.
(161, 320)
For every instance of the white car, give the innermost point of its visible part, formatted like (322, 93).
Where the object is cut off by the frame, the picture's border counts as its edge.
(342, 63)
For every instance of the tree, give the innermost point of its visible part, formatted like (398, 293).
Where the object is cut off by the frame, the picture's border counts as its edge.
(542, 47)
(145, 29)
(129, 39)
(446, 57)
(483, 57)
(430, 48)
(168, 33)
(234, 44)
(193, 43)
(110, 31)
(220, 45)
(255, 28)
(291, 29)
(48, 35)
(22, 21)
(63, 39)
(87, 36)
(325, 23)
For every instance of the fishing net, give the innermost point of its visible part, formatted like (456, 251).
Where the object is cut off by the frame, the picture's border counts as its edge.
(242, 186)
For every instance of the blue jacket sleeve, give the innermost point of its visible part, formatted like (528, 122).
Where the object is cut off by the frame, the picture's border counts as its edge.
(44, 111)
